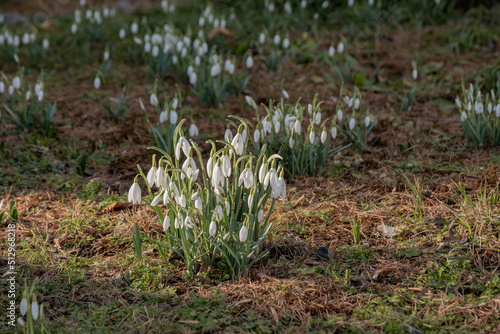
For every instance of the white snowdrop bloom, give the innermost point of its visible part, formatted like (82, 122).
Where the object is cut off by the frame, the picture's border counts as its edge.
(352, 124)
(184, 52)
(156, 200)
(228, 135)
(134, 194)
(188, 222)
(155, 52)
(340, 48)
(147, 47)
(463, 116)
(350, 3)
(303, 4)
(163, 116)
(277, 127)
(20, 322)
(333, 132)
(286, 43)
(105, 12)
(238, 143)
(166, 223)
(212, 229)
(469, 106)
(106, 55)
(215, 70)
(351, 102)
(271, 7)
(190, 70)
(219, 213)
(223, 23)
(153, 100)
(291, 142)
(2, 87)
(193, 78)
(331, 51)
(256, 135)
(201, 21)
(298, 127)
(339, 115)
(161, 178)
(312, 137)
(181, 200)
(39, 95)
(23, 306)
(137, 40)
(45, 44)
(371, 2)
(285, 94)
(197, 60)
(151, 177)
(457, 102)
(478, 108)
(34, 310)
(325, 4)
(28, 95)
(173, 117)
(249, 62)
(262, 173)
(216, 23)
(243, 233)
(83, 3)
(193, 131)
(414, 74)
(246, 178)
(88, 14)
(288, 8)
(229, 66)
(134, 28)
(16, 82)
(317, 118)
(490, 108)
(260, 215)
(11, 90)
(262, 38)
(276, 39)
(356, 104)
(323, 136)
(97, 83)
(26, 38)
(367, 121)
(497, 110)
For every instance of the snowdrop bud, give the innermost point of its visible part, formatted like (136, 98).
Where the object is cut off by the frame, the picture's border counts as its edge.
(173, 117)
(340, 48)
(97, 83)
(262, 173)
(156, 200)
(331, 51)
(147, 47)
(11, 90)
(40, 95)
(122, 33)
(198, 203)
(323, 136)
(163, 116)
(291, 142)
(414, 74)
(153, 100)
(106, 55)
(20, 321)
(339, 114)
(249, 62)
(156, 51)
(16, 82)
(469, 106)
(286, 43)
(333, 132)
(45, 44)
(256, 135)
(212, 229)
(356, 104)
(193, 131)
(188, 222)
(250, 200)
(317, 118)
(190, 70)
(457, 102)
(276, 39)
(28, 95)
(228, 135)
(463, 117)
(367, 121)
(262, 38)
(352, 123)
(193, 78)
(23, 306)
(182, 200)
(490, 108)
(74, 28)
(134, 28)
(312, 137)
(166, 223)
(325, 4)
(285, 94)
(243, 234)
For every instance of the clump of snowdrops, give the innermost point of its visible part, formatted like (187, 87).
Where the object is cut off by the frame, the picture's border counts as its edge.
(480, 116)
(28, 107)
(168, 118)
(353, 119)
(274, 50)
(213, 213)
(32, 317)
(297, 133)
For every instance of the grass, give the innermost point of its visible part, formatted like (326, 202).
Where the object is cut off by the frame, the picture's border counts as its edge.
(440, 274)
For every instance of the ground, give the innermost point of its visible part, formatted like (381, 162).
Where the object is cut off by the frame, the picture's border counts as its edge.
(438, 274)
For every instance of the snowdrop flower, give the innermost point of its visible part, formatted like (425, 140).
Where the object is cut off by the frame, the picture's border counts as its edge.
(356, 104)
(228, 135)
(352, 123)
(151, 177)
(155, 52)
(287, 7)
(333, 132)
(238, 143)
(298, 126)
(256, 135)
(497, 110)
(463, 116)
(229, 66)
(367, 121)
(371, 2)
(16, 82)
(163, 116)
(20, 321)
(331, 51)
(2, 87)
(350, 3)
(291, 142)
(215, 70)
(339, 115)
(74, 28)
(246, 178)
(303, 4)
(45, 44)
(134, 194)
(276, 39)
(285, 94)
(490, 108)
(312, 137)
(317, 118)
(478, 108)
(23, 306)
(271, 7)
(134, 28)
(260, 215)
(219, 213)
(414, 74)
(156, 200)
(193, 131)
(323, 136)
(166, 223)
(122, 33)
(28, 95)
(193, 78)
(249, 62)
(262, 38)
(106, 55)
(181, 200)
(286, 43)
(243, 233)
(262, 173)
(340, 48)
(11, 90)
(212, 229)
(161, 178)
(469, 106)
(325, 4)
(173, 117)
(39, 95)
(97, 83)
(147, 47)
(226, 166)
(153, 100)
(188, 222)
